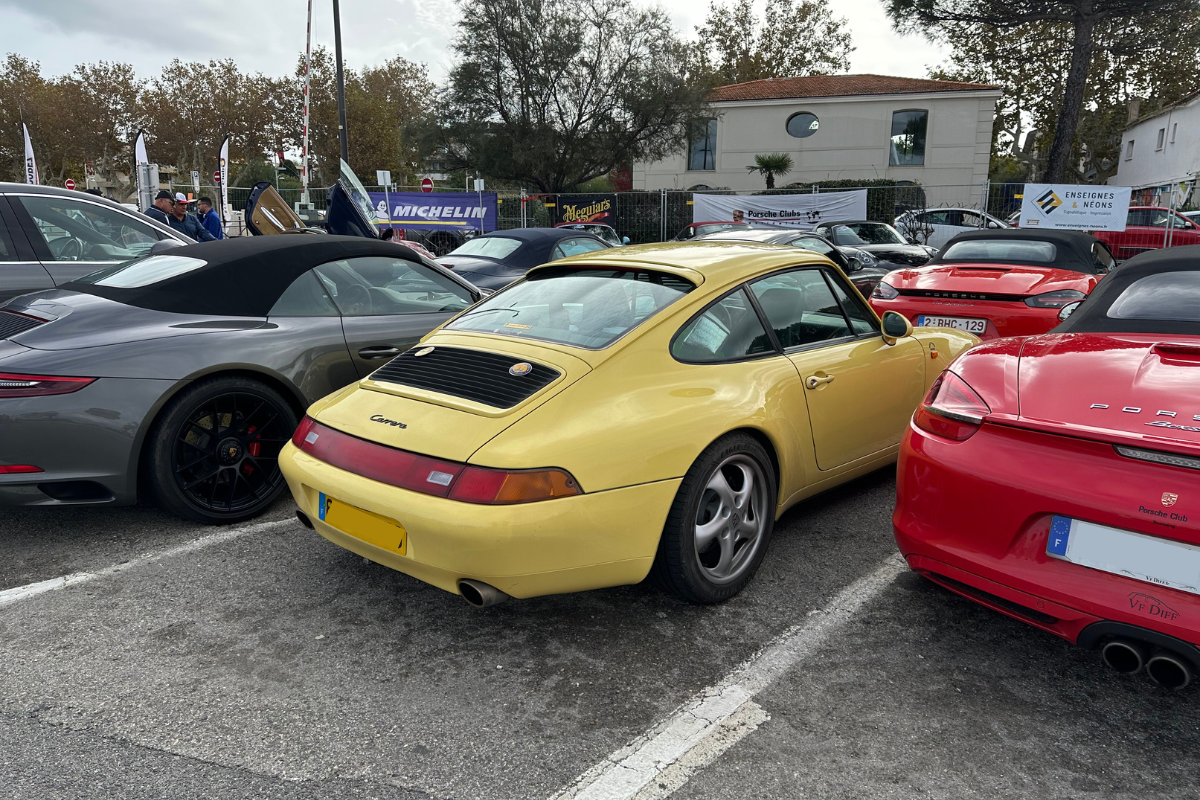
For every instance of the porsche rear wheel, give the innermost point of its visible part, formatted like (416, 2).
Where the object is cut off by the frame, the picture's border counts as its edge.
(214, 452)
(720, 522)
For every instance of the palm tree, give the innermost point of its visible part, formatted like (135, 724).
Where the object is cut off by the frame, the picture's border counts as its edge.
(772, 165)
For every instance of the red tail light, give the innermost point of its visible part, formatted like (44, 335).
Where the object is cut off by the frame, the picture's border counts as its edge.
(952, 409)
(13, 385)
(431, 476)
(18, 469)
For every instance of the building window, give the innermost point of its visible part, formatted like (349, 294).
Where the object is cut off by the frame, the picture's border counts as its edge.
(1162, 137)
(1174, 130)
(1129, 150)
(802, 125)
(908, 138)
(702, 148)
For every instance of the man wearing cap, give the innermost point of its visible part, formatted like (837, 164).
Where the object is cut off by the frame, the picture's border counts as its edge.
(186, 223)
(163, 208)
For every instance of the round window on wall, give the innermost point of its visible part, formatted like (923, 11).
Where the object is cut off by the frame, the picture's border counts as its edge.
(803, 125)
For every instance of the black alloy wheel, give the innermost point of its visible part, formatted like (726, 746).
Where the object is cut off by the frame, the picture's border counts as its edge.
(214, 454)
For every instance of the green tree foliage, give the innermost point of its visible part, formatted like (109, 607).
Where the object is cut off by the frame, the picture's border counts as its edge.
(771, 165)
(793, 37)
(555, 93)
(1080, 28)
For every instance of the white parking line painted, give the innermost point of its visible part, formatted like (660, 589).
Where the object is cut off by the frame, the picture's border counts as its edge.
(19, 593)
(662, 759)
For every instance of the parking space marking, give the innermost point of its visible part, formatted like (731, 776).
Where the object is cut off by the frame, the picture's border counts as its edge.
(658, 762)
(17, 594)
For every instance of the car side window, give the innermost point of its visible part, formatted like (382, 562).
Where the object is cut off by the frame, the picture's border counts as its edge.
(937, 218)
(574, 247)
(1137, 216)
(800, 307)
(379, 285)
(972, 220)
(816, 245)
(728, 330)
(861, 320)
(1102, 259)
(78, 231)
(306, 297)
(7, 253)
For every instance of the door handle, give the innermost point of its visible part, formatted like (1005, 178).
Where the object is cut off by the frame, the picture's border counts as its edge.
(379, 352)
(814, 381)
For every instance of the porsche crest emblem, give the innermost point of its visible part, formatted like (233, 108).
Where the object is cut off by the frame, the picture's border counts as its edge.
(424, 351)
(1168, 499)
(523, 368)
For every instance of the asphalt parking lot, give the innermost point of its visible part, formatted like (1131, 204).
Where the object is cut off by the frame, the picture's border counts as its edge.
(185, 661)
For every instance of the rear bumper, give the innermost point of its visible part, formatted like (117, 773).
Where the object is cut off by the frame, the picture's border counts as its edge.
(566, 545)
(1009, 318)
(974, 517)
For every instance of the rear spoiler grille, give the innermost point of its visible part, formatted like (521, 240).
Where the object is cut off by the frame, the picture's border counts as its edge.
(962, 295)
(12, 323)
(487, 378)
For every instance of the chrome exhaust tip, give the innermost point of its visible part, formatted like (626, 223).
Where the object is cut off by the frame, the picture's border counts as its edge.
(480, 594)
(1124, 656)
(1169, 671)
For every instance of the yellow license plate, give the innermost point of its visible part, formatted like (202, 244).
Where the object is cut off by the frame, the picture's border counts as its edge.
(372, 528)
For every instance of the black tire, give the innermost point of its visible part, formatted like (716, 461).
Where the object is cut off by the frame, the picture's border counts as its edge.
(692, 572)
(240, 458)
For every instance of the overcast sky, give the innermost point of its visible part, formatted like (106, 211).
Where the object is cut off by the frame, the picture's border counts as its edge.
(267, 35)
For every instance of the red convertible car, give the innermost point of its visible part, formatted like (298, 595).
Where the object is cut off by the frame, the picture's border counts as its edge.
(1056, 478)
(996, 283)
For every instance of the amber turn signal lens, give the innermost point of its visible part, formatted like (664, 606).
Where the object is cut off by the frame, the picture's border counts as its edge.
(498, 487)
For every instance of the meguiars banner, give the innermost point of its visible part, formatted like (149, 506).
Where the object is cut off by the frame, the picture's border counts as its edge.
(439, 211)
(785, 210)
(1067, 207)
(600, 208)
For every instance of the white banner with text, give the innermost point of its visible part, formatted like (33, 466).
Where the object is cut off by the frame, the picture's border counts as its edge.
(785, 210)
(1067, 207)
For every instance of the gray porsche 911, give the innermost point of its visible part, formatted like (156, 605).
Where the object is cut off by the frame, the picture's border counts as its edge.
(185, 371)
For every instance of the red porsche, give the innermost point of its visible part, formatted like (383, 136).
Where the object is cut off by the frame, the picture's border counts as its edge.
(1056, 478)
(997, 283)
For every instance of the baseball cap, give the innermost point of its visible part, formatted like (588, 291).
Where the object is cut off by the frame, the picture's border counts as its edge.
(164, 195)
(180, 197)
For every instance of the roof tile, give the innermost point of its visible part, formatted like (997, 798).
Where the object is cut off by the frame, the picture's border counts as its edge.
(837, 86)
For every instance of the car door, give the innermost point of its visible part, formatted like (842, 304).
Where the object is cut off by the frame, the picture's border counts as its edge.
(73, 237)
(307, 321)
(859, 390)
(387, 304)
(20, 270)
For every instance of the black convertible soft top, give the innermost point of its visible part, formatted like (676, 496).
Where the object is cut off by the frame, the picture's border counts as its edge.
(245, 275)
(1092, 315)
(1073, 249)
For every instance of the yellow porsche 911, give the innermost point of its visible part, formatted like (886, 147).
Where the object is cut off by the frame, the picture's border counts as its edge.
(642, 410)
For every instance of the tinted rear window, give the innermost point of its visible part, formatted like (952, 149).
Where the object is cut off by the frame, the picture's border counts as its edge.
(1166, 296)
(588, 308)
(488, 247)
(143, 271)
(1019, 251)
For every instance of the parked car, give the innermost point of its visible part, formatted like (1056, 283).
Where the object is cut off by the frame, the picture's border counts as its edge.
(496, 259)
(859, 266)
(51, 236)
(1053, 478)
(191, 368)
(597, 229)
(882, 241)
(697, 229)
(537, 443)
(937, 226)
(998, 283)
(1194, 216)
(1146, 229)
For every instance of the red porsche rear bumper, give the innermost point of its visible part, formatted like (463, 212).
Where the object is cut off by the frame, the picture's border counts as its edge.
(974, 516)
(1004, 318)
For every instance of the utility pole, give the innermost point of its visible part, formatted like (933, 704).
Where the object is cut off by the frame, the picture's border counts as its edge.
(341, 83)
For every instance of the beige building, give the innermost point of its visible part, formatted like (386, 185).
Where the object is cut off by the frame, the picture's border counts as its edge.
(935, 133)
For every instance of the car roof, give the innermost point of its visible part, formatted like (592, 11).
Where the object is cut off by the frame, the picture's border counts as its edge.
(764, 235)
(852, 222)
(535, 234)
(1092, 316)
(713, 263)
(1073, 248)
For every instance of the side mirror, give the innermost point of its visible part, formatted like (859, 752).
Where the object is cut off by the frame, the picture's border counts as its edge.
(993, 224)
(853, 264)
(1067, 311)
(895, 327)
(624, 240)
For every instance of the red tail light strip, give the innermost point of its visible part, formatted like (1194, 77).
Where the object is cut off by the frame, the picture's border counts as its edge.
(14, 385)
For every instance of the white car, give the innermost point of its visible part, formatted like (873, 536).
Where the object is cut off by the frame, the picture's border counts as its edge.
(1194, 216)
(936, 226)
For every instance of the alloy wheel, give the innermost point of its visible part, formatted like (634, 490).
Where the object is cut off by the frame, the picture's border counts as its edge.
(731, 519)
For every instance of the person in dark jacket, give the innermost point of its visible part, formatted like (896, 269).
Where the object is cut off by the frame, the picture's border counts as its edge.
(163, 208)
(186, 223)
(209, 218)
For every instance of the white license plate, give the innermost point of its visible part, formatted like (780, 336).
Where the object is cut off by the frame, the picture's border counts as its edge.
(962, 323)
(1161, 562)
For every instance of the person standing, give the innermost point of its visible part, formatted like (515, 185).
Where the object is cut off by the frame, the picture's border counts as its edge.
(186, 223)
(163, 208)
(209, 218)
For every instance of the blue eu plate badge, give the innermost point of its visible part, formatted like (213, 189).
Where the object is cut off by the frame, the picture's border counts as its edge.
(1060, 535)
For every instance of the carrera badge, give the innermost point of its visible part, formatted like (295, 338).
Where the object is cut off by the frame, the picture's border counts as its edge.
(521, 369)
(1169, 499)
(424, 351)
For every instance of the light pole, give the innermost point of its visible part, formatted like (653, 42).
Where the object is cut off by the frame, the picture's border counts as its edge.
(341, 83)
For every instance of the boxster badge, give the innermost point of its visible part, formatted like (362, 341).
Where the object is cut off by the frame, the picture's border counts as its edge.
(1168, 499)
(523, 368)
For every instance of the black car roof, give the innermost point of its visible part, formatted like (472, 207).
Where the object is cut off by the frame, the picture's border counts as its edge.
(244, 275)
(1092, 315)
(534, 234)
(1073, 249)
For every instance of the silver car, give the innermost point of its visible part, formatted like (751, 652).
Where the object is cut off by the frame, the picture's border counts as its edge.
(189, 368)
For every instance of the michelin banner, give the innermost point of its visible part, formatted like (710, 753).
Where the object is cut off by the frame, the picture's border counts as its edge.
(785, 210)
(1067, 207)
(437, 211)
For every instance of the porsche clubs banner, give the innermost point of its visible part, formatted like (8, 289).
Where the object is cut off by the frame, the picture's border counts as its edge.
(1066, 207)
(223, 171)
(439, 211)
(31, 170)
(600, 208)
(784, 210)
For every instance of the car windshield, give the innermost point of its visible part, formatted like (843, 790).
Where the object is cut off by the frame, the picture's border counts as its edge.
(1014, 250)
(358, 194)
(142, 271)
(1166, 296)
(487, 247)
(588, 308)
(867, 233)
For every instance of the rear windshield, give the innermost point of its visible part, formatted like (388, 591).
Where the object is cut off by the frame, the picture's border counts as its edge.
(1015, 250)
(588, 308)
(142, 271)
(1166, 296)
(867, 233)
(488, 247)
